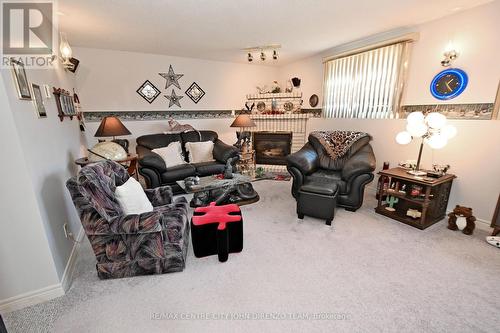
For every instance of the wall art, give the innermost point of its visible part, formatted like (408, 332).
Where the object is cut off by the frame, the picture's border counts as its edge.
(65, 104)
(173, 98)
(20, 80)
(148, 91)
(195, 92)
(171, 77)
(38, 101)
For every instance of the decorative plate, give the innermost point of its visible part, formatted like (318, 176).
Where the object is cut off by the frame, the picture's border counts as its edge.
(313, 100)
(288, 106)
(195, 92)
(261, 106)
(148, 91)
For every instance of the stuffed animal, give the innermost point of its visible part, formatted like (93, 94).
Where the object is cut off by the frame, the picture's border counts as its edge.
(458, 213)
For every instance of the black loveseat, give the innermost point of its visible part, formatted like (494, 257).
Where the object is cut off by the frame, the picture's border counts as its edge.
(312, 166)
(153, 169)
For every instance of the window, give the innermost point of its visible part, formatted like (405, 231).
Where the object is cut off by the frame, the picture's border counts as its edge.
(367, 84)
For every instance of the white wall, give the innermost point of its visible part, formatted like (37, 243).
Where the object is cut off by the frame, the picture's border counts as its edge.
(474, 153)
(108, 80)
(24, 248)
(49, 148)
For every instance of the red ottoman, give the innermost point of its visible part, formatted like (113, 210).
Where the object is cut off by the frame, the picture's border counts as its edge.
(217, 230)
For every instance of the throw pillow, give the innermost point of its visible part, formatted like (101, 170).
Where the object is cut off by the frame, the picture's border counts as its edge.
(132, 198)
(200, 151)
(171, 154)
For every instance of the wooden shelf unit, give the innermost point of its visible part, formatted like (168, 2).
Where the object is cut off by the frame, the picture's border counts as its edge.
(432, 205)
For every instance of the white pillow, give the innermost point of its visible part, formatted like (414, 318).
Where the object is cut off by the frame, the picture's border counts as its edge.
(132, 198)
(171, 154)
(200, 151)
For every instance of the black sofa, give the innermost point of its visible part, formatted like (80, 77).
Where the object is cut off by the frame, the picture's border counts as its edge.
(312, 166)
(153, 169)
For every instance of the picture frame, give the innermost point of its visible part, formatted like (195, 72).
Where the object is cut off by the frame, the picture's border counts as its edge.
(65, 103)
(38, 101)
(20, 79)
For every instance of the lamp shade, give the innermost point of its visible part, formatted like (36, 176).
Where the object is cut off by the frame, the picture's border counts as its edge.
(111, 126)
(243, 120)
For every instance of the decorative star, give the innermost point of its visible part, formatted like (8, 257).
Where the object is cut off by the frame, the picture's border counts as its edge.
(173, 99)
(171, 78)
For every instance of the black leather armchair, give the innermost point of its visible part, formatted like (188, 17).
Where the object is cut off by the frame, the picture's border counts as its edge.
(311, 165)
(153, 168)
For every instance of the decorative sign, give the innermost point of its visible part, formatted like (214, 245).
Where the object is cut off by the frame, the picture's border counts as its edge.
(195, 92)
(148, 91)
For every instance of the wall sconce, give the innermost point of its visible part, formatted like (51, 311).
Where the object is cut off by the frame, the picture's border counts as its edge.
(66, 53)
(449, 55)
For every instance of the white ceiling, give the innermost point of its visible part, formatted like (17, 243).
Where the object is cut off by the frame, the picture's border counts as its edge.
(219, 29)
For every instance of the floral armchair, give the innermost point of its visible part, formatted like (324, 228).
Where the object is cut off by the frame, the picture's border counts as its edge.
(129, 245)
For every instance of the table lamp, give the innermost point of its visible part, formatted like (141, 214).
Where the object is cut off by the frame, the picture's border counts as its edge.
(243, 121)
(431, 128)
(115, 150)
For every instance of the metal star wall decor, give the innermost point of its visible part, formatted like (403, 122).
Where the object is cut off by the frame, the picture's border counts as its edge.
(173, 99)
(171, 77)
(195, 92)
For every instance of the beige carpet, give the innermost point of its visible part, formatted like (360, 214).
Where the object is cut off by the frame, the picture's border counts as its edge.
(367, 273)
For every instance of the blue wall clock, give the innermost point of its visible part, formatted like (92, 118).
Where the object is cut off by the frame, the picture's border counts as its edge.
(449, 83)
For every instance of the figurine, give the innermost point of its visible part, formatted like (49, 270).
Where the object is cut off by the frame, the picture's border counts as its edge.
(391, 201)
(276, 87)
(228, 170)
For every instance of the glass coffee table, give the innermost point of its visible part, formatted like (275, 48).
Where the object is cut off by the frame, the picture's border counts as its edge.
(238, 190)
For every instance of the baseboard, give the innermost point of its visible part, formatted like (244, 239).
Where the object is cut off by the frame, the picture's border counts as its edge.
(48, 293)
(67, 277)
(31, 298)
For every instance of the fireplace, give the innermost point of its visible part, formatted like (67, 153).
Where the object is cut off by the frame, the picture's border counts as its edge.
(272, 147)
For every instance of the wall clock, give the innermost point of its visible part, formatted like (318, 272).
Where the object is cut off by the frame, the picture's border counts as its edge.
(449, 83)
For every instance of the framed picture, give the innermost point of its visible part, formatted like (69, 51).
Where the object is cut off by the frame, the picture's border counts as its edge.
(20, 79)
(38, 101)
(65, 103)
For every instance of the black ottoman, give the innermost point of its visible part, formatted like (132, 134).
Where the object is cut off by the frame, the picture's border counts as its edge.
(217, 230)
(317, 200)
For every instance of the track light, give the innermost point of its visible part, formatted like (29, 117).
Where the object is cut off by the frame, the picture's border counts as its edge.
(262, 51)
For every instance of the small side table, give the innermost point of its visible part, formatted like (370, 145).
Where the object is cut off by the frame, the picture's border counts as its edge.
(429, 206)
(131, 160)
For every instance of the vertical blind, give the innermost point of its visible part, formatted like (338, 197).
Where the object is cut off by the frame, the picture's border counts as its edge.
(367, 84)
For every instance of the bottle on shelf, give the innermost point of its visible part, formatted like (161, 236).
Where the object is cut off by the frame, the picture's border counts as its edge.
(383, 182)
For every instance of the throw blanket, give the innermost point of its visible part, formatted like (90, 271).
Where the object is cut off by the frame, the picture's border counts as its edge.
(337, 143)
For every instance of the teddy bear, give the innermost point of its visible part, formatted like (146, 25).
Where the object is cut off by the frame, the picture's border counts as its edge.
(461, 212)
